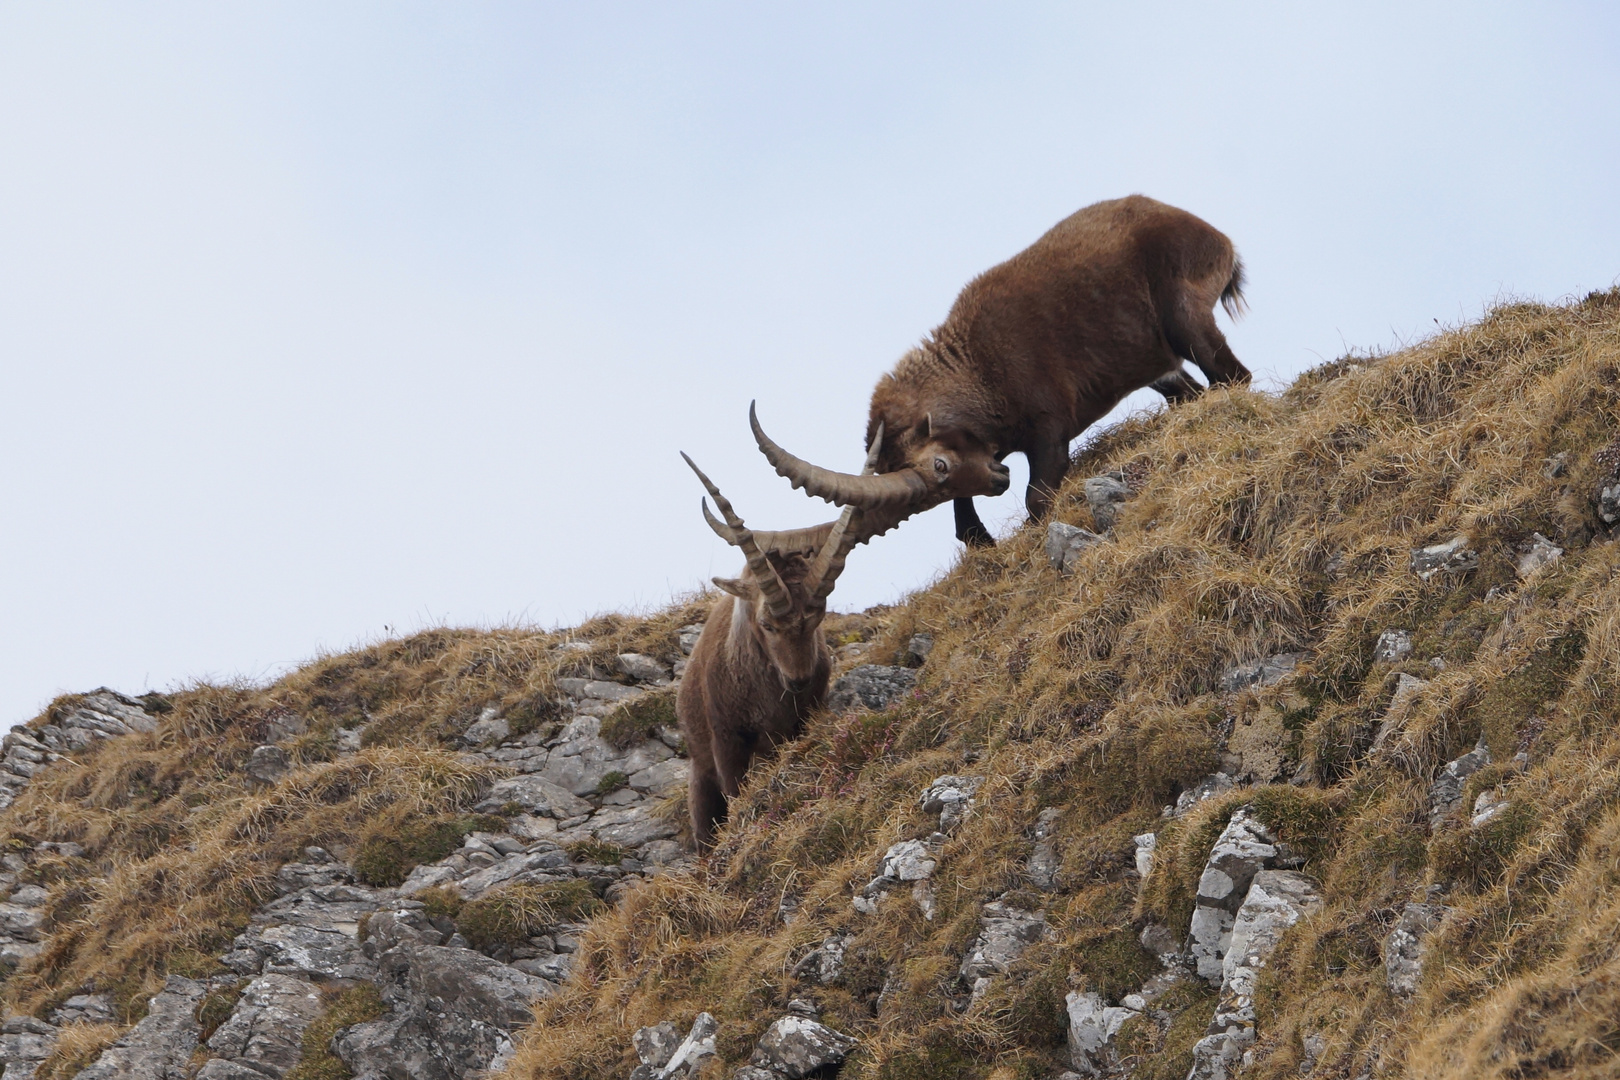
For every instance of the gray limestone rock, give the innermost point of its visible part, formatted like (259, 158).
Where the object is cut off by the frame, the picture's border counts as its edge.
(1452, 557)
(536, 795)
(268, 764)
(1393, 646)
(688, 637)
(1105, 495)
(655, 1045)
(797, 1046)
(266, 1030)
(85, 1009)
(1243, 849)
(826, 961)
(1540, 553)
(1207, 788)
(1445, 795)
(1146, 844)
(1407, 690)
(160, 1046)
(1608, 503)
(872, 685)
(1266, 672)
(21, 922)
(1004, 933)
(695, 1049)
(490, 727)
(643, 669)
(951, 797)
(917, 650)
(1064, 543)
(1092, 1027)
(1405, 947)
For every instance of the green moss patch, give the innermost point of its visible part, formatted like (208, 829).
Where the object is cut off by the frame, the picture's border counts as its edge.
(514, 914)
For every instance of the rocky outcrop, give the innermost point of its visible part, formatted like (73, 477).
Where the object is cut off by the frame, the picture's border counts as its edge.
(1244, 848)
(1406, 946)
(1276, 900)
(1450, 558)
(796, 1047)
(1005, 932)
(160, 1046)
(1065, 543)
(1104, 496)
(1445, 794)
(871, 685)
(102, 714)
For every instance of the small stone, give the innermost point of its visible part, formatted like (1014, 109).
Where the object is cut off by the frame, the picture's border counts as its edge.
(804, 1007)
(1064, 543)
(909, 860)
(490, 727)
(1405, 947)
(1541, 554)
(1160, 940)
(697, 1047)
(871, 685)
(951, 797)
(1092, 1027)
(1393, 646)
(796, 1047)
(1445, 795)
(1105, 495)
(30, 896)
(1145, 843)
(268, 764)
(1207, 788)
(1452, 557)
(1005, 932)
(655, 1045)
(643, 669)
(1488, 805)
(917, 649)
(688, 636)
(1266, 672)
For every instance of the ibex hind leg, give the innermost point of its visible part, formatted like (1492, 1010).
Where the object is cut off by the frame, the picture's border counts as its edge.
(1193, 335)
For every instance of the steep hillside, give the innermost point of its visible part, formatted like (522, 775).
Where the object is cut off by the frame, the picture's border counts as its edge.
(1307, 766)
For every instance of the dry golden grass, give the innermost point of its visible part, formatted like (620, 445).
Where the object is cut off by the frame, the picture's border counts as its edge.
(1263, 524)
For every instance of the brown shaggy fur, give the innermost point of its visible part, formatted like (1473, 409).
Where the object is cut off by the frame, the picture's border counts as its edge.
(1036, 350)
(751, 682)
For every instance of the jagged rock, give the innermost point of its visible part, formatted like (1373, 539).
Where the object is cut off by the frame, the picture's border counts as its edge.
(582, 758)
(1393, 646)
(688, 636)
(1266, 672)
(1092, 1027)
(664, 778)
(1445, 795)
(1542, 553)
(1146, 843)
(655, 1045)
(909, 860)
(1405, 947)
(1608, 503)
(536, 795)
(1276, 900)
(452, 1013)
(1004, 933)
(24, 1043)
(643, 669)
(872, 685)
(1105, 495)
(1407, 689)
(22, 922)
(950, 797)
(1452, 557)
(1244, 848)
(85, 1009)
(490, 727)
(268, 764)
(310, 934)
(160, 1046)
(1488, 805)
(1207, 788)
(695, 1049)
(1064, 543)
(825, 962)
(1044, 863)
(1160, 940)
(796, 1046)
(917, 649)
(265, 1031)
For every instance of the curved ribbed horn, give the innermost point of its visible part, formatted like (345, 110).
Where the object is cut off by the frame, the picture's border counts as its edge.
(811, 538)
(902, 488)
(845, 534)
(770, 586)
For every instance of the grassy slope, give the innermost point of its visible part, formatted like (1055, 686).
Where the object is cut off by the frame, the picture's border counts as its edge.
(1263, 524)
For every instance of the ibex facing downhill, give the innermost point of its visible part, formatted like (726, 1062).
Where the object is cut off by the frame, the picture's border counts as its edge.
(1035, 351)
(761, 664)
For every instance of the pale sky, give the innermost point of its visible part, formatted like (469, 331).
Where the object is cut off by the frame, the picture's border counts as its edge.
(324, 321)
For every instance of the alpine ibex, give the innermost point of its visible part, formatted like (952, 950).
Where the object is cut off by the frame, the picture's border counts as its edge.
(761, 664)
(1035, 351)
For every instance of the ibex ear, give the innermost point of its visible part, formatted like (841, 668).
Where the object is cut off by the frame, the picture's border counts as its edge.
(735, 586)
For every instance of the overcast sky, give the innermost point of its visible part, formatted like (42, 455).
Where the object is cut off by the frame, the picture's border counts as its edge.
(325, 321)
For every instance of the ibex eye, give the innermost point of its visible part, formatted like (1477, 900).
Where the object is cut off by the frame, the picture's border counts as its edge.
(941, 466)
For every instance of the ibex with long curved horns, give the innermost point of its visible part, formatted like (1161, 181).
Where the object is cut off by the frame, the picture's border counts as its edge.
(1035, 351)
(762, 663)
